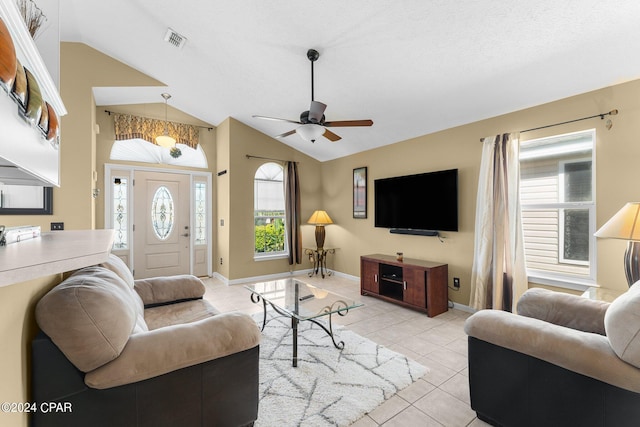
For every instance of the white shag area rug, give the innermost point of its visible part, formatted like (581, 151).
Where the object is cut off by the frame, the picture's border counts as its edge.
(330, 387)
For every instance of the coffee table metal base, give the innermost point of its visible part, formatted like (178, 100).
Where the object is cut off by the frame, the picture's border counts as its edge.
(255, 298)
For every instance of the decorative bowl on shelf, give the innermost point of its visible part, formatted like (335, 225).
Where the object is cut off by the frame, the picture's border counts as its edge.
(34, 101)
(54, 126)
(44, 119)
(8, 60)
(20, 87)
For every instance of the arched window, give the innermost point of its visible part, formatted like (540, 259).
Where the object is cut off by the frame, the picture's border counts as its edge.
(269, 211)
(139, 150)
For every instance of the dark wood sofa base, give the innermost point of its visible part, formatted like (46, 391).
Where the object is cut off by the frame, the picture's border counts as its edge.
(512, 389)
(221, 392)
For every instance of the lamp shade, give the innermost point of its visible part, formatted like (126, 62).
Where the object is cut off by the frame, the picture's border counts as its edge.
(320, 218)
(623, 225)
(165, 141)
(310, 132)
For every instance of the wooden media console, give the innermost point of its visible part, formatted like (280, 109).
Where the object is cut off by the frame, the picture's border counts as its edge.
(413, 283)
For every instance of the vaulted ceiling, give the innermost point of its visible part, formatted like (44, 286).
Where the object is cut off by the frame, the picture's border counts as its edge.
(412, 66)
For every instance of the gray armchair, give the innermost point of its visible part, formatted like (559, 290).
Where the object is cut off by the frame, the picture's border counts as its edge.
(563, 360)
(150, 352)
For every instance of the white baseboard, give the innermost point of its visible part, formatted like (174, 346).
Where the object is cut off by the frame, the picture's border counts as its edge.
(463, 307)
(277, 276)
(263, 278)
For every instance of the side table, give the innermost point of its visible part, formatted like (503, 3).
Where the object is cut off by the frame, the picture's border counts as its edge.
(319, 259)
(602, 294)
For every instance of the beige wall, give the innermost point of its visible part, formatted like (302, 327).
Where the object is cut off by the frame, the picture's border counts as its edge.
(235, 188)
(221, 258)
(17, 330)
(617, 175)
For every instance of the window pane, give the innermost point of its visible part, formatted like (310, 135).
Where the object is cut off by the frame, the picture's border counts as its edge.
(201, 213)
(162, 213)
(120, 213)
(269, 234)
(269, 195)
(556, 173)
(577, 181)
(269, 210)
(576, 234)
(552, 246)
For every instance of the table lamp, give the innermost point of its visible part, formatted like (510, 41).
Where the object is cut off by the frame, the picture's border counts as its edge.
(625, 225)
(320, 219)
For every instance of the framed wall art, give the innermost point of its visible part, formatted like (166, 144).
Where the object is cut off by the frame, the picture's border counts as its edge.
(360, 192)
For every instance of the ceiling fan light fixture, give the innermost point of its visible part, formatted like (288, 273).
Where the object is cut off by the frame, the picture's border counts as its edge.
(313, 120)
(310, 132)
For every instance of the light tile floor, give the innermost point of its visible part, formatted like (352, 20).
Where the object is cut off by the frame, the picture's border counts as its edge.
(440, 398)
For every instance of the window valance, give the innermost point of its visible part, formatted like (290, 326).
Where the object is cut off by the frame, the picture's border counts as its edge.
(128, 126)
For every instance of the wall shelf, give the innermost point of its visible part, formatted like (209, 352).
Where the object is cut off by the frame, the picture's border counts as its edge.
(52, 253)
(26, 158)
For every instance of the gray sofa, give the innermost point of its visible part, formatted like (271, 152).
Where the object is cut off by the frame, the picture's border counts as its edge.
(149, 352)
(563, 360)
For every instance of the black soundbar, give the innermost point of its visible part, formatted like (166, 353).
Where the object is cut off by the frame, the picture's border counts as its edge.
(413, 231)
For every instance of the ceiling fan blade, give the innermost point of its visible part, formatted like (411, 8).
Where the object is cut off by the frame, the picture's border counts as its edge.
(331, 136)
(316, 110)
(276, 119)
(282, 135)
(346, 123)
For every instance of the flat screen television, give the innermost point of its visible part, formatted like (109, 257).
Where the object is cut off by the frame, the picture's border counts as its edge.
(426, 201)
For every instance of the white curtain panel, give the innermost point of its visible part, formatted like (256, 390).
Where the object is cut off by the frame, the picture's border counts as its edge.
(498, 277)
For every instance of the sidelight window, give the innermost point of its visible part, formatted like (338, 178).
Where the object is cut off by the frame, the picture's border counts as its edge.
(200, 211)
(120, 213)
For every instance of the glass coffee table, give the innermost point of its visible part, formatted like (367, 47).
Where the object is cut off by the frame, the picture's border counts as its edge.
(300, 301)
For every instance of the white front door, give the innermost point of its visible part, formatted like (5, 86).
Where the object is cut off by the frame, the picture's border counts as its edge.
(161, 224)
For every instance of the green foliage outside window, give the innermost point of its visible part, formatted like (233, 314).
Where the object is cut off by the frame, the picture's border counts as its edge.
(269, 234)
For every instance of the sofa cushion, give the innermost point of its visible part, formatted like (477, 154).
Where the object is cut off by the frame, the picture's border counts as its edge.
(622, 324)
(117, 265)
(178, 313)
(163, 290)
(559, 308)
(90, 316)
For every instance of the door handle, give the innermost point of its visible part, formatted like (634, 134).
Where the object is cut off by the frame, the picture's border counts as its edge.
(185, 235)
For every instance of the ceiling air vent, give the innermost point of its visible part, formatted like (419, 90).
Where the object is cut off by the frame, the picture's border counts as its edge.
(174, 38)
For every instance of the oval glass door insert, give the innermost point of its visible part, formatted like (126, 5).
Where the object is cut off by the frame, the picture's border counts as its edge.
(162, 213)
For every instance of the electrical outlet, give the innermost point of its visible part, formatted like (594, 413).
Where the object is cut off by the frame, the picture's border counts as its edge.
(57, 226)
(220, 260)
(456, 282)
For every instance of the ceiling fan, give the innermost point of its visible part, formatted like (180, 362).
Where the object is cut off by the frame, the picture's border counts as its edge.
(313, 120)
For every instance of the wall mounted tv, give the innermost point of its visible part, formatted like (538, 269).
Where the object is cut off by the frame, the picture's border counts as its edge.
(417, 204)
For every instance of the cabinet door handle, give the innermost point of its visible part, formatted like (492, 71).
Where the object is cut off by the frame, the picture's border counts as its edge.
(404, 284)
(375, 278)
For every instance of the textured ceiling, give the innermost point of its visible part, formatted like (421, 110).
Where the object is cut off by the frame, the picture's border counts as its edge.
(412, 66)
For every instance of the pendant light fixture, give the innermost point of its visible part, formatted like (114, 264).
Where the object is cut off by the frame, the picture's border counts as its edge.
(165, 140)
